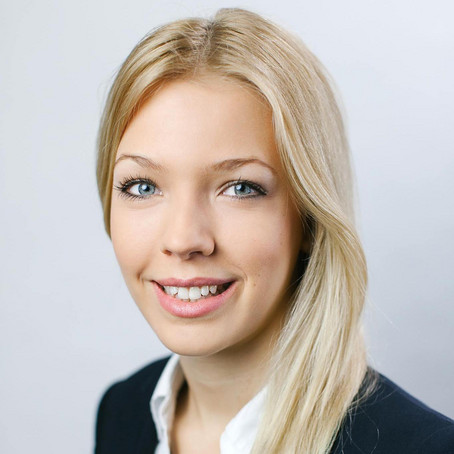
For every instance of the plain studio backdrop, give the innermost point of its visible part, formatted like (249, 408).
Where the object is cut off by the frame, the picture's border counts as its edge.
(68, 326)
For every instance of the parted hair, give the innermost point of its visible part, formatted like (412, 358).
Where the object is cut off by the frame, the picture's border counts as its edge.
(319, 361)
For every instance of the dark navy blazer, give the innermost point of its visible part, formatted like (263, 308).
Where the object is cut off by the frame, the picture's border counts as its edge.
(389, 421)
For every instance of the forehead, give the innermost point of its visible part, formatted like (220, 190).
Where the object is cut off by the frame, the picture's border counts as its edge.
(202, 119)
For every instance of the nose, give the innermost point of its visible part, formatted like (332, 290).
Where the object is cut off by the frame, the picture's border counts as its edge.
(187, 231)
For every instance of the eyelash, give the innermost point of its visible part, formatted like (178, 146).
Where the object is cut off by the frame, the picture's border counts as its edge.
(130, 181)
(260, 192)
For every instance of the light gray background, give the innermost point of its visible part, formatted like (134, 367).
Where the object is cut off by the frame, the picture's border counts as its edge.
(68, 326)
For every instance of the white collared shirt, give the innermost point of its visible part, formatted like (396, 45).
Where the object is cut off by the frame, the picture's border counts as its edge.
(239, 434)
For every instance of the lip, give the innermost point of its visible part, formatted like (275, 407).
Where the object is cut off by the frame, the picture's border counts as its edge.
(187, 309)
(194, 282)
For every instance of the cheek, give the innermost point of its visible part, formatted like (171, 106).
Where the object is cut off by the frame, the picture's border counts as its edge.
(131, 240)
(265, 244)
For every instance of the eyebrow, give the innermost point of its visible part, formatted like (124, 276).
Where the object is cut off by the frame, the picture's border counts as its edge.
(221, 166)
(141, 160)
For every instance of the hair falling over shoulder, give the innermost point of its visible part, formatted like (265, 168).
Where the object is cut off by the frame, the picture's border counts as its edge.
(319, 363)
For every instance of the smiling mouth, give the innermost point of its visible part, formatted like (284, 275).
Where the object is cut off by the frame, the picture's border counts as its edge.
(193, 294)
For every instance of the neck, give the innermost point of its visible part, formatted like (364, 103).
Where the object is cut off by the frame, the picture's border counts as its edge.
(219, 385)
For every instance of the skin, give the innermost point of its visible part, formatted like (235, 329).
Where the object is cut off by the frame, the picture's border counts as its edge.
(199, 224)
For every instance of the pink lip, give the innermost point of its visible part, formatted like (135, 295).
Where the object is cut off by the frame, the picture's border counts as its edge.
(199, 308)
(194, 282)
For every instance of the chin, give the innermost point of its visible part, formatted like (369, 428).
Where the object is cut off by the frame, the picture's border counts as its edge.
(191, 348)
(194, 342)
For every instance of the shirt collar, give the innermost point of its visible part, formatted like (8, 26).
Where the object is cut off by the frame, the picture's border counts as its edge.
(240, 432)
(163, 400)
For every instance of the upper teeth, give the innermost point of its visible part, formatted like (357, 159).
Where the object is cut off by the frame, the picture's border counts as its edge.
(190, 293)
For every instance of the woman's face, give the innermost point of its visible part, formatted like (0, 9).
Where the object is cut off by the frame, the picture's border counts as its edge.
(200, 205)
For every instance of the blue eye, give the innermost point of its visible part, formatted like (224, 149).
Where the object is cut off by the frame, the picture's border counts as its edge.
(244, 190)
(144, 188)
(137, 188)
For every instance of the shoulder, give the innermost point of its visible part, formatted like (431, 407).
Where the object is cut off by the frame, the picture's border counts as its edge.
(389, 420)
(139, 383)
(124, 411)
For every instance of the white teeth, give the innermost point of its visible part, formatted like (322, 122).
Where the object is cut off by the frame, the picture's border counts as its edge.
(183, 293)
(194, 293)
(171, 290)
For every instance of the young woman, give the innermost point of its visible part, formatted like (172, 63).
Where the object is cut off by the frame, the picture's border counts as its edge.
(224, 175)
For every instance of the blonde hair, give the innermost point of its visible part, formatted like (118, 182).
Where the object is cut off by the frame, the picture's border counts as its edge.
(319, 363)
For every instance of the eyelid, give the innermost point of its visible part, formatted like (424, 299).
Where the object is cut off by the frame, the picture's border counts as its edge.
(259, 190)
(131, 181)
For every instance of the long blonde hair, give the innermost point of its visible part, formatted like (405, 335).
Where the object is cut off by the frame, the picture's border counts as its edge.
(319, 362)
